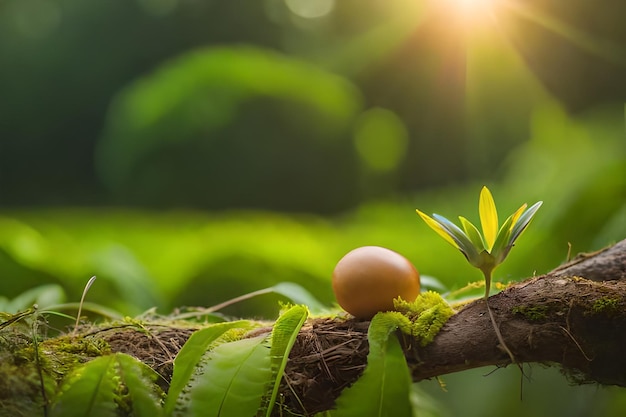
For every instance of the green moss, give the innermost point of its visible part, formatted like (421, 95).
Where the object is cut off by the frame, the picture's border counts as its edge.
(59, 356)
(233, 335)
(426, 315)
(20, 373)
(82, 346)
(605, 305)
(531, 313)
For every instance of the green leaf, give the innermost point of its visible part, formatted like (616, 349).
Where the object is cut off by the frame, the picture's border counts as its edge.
(523, 221)
(383, 389)
(139, 379)
(298, 295)
(511, 230)
(501, 246)
(203, 91)
(472, 233)
(191, 354)
(94, 389)
(284, 335)
(230, 382)
(43, 296)
(89, 391)
(428, 282)
(464, 244)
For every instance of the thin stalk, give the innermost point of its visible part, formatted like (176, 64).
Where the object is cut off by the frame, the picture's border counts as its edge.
(39, 371)
(82, 301)
(493, 320)
(238, 299)
(226, 303)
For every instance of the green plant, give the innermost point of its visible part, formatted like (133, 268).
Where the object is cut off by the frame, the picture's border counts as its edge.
(224, 369)
(108, 384)
(42, 296)
(488, 250)
(383, 389)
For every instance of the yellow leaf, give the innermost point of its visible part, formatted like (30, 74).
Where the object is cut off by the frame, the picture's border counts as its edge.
(488, 217)
(515, 216)
(433, 224)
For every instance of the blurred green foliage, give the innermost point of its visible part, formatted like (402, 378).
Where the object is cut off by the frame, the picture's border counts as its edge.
(308, 129)
(145, 259)
(182, 103)
(238, 127)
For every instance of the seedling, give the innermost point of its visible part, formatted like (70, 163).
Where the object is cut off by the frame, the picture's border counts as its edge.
(488, 250)
(82, 301)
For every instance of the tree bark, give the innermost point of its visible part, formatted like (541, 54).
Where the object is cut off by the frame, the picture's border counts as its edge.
(574, 316)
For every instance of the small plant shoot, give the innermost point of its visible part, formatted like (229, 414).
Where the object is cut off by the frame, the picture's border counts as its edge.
(490, 249)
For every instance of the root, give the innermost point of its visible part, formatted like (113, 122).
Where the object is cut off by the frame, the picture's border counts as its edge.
(498, 334)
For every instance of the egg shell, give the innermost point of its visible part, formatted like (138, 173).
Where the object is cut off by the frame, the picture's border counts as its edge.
(367, 279)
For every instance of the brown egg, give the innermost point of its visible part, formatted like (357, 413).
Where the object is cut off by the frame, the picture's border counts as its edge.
(367, 279)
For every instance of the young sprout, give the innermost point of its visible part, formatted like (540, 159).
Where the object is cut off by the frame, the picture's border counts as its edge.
(488, 250)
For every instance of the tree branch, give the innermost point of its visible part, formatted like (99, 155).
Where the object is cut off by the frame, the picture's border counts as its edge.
(574, 316)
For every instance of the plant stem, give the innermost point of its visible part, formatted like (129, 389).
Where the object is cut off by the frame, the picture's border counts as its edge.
(226, 303)
(487, 274)
(82, 301)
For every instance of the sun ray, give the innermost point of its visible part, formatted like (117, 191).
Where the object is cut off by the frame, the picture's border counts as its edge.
(474, 13)
(592, 44)
(489, 90)
(368, 48)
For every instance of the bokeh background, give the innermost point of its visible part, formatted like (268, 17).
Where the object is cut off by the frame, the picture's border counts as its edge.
(190, 151)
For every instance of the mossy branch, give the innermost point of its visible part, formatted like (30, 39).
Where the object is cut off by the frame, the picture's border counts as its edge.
(574, 317)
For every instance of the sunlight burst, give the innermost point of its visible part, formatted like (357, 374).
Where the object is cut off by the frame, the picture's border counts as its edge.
(473, 13)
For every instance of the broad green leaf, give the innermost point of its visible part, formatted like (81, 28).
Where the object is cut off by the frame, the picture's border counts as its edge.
(191, 354)
(43, 296)
(230, 382)
(428, 282)
(89, 391)
(383, 389)
(488, 217)
(139, 381)
(284, 335)
(120, 266)
(93, 390)
(162, 108)
(298, 295)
